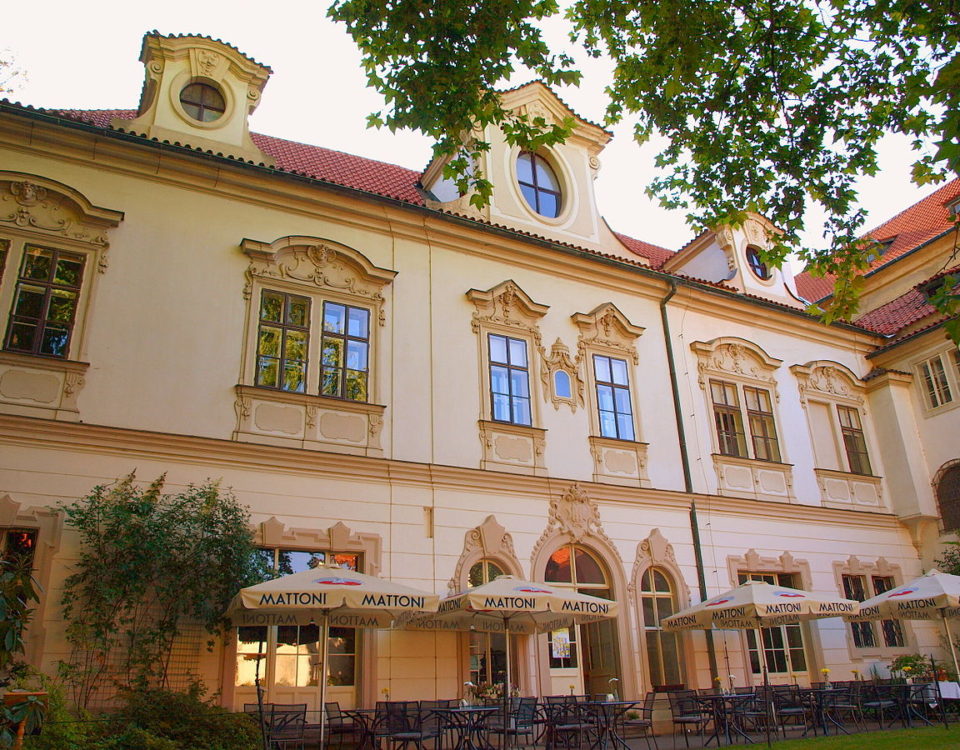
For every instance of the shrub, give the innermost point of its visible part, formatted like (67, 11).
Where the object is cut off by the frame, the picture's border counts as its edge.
(189, 721)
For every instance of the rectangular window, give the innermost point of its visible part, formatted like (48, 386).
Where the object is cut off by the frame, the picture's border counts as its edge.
(729, 420)
(509, 380)
(344, 360)
(613, 397)
(935, 383)
(853, 442)
(783, 646)
(855, 587)
(891, 630)
(45, 302)
(4, 251)
(283, 339)
(762, 427)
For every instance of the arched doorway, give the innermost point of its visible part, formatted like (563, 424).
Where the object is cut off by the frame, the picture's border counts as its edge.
(585, 658)
(488, 651)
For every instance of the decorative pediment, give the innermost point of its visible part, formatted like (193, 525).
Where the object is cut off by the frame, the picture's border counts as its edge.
(553, 367)
(608, 328)
(51, 209)
(336, 538)
(488, 541)
(828, 380)
(753, 562)
(656, 552)
(319, 264)
(736, 358)
(507, 305)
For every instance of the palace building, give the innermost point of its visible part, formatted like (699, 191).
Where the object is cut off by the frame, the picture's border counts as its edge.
(436, 394)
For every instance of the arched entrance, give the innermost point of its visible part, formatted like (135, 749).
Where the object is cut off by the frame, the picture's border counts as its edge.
(585, 658)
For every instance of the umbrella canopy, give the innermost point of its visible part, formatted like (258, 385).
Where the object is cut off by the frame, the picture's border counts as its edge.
(327, 595)
(757, 603)
(934, 596)
(347, 598)
(509, 604)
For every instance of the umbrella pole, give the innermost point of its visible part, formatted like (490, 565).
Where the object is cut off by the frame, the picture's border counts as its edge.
(506, 684)
(953, 649)
(766, 680)
(324, 637)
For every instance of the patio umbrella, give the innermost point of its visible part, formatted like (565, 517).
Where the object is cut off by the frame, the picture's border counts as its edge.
(511, 605)
(325, 595)
(754, 605)
(934, 596)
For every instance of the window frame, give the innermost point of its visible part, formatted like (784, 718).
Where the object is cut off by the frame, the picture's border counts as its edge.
(950, 476)
(854, 441)
(655, 629)
(939, 396)
(538, 162)
(755, 663)
(744, 417)
(614, 388)
(875, 578)
(510, 368)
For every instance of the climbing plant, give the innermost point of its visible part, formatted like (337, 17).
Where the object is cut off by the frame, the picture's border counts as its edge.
(149, 563)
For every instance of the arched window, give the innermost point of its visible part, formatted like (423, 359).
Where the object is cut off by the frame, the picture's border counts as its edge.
(658, 600)
(948, 498)
(575, 565)
(756, 264)
(539, 184)
(488, 651)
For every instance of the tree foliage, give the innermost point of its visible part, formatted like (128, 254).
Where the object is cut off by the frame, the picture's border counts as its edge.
(149, 563)
(774, 106)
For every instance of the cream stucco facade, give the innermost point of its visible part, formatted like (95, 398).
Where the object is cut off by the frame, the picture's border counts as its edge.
(422, 476)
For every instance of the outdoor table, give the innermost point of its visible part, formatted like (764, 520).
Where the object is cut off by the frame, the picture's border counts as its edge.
(721, 708)
(365, 721)
(950, 691)
(820, 698)
(603, 719)
(469, 722)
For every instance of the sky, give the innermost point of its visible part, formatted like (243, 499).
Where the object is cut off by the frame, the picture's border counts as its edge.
(85, 56)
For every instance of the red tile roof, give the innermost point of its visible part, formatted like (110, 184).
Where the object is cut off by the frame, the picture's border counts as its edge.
(654, 253)
(904, 311)
(908, 230)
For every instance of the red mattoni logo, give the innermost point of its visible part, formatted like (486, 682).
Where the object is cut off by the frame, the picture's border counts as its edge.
(901, 593)
(790, 595)
(532, 590)
(717, 603)
(338, 582)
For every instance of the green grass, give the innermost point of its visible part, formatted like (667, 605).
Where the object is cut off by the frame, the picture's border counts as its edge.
(928, 738)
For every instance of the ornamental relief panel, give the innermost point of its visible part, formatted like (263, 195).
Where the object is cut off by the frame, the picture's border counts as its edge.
(736, 358)
(312, 262)
(607, 328)
(48, 208)
(560, 361)
(488, 541)
(753, 562)
(575, 516)
(507, 305)
(829, 380)
(656, 552)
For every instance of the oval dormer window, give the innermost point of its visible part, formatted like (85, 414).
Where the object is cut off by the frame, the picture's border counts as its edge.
(202, 102)
(756, 264)
(539, 184)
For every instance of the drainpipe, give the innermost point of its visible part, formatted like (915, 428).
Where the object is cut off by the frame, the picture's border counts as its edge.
(687, 480)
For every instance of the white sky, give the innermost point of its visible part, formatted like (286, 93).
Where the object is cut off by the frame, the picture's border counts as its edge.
(84, 55)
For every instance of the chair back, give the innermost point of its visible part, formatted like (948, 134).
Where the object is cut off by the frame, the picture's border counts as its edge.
(683, 702)
(401, 716)
(287, 721)
(525, 713)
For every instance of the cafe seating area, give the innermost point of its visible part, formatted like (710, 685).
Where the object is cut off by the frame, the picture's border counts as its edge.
(681, 718)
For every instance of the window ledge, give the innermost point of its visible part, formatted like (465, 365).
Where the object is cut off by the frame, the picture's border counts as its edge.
(512, 447)
(618, 461)
(44, 387)
(841, 489)
(302, 420)
(754, 479)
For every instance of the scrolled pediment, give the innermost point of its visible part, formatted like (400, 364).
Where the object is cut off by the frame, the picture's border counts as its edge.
(734, 357)
(608, 328)
(50, 208)
(507, 305)
(829, 380)
(319, 264)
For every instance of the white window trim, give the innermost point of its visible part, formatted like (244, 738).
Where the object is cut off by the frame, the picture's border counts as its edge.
(951, 367)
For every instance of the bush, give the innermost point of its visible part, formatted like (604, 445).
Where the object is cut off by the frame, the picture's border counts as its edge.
(133, 738)
(189, 721)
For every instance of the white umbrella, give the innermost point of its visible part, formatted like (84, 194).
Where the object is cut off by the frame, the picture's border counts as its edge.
(511, 605)
(934, 596)
(754, 605)
(325, 595)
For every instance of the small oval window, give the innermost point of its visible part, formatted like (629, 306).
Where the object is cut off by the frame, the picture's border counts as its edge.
(757, 265)
(539, 184)
(202, 102)
(561, 384)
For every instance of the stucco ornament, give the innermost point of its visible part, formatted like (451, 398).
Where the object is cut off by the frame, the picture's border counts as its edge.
(506, 305)
(56, 210)
(489, 541)
(559, 360)
(607, 329)
(730, 357)
(575, 514)
(828, 380)
(207, 61)
(537, 111)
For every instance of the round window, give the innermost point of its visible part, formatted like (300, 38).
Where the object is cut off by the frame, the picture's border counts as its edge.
(539, 184)
(202, 102)
(758, 267)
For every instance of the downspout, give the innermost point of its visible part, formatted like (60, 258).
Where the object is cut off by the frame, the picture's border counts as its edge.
(687, 479)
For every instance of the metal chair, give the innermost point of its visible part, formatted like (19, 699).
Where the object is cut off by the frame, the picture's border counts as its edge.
(641, 725)
(286, 726)
(686, 712)
(519, 721)
(338, 724)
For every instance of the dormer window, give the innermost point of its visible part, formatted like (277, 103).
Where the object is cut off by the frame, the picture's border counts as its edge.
(203, 102)
(539, 184)
(756, 264)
